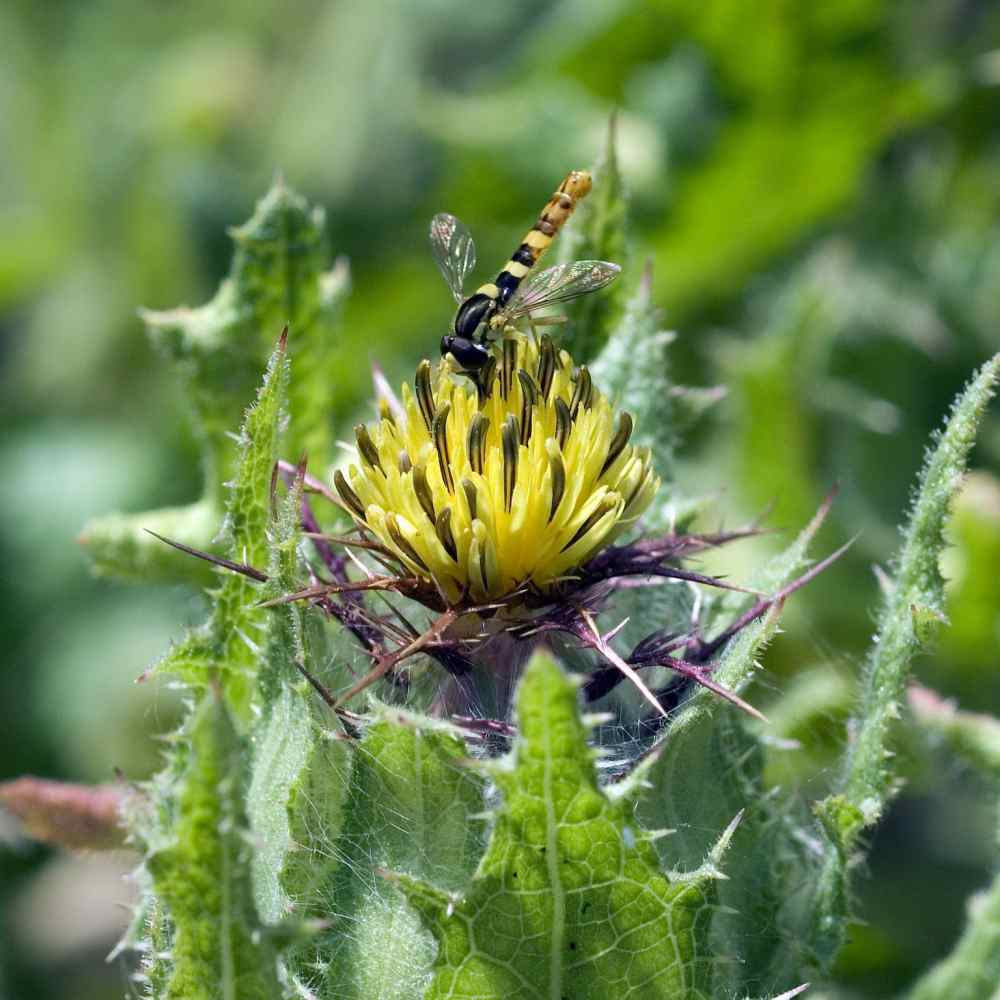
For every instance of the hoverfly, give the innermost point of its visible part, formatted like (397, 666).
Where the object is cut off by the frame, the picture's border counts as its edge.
(504, 300)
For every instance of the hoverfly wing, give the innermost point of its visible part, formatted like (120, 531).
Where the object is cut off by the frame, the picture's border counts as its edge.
(454, 251)
(561, 283)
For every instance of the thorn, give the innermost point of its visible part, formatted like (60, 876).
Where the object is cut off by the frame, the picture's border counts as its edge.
(722, 844)
(653, 835)
(243, 568)
(401, 584)
(824, 508)
(778, 600)
(700, 676)
(386, 662)
(313, 485)
(885, 582)
(297, 484)
(324, 692)
(608, 636)
(610, 655)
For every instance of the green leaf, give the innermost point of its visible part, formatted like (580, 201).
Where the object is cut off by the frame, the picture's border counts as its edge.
(280, 280)
(295, 803)
(706, 768)
(120, 548)
(300, 770)
(914, 600)
(277, 278)
(781, 167)
(569, 899)
(737, 663)
(411, 807)
(597, 232)
(202, 874)
(227, 648)
(765, 375)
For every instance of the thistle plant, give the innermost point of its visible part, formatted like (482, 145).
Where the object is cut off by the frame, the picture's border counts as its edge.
(465, 721)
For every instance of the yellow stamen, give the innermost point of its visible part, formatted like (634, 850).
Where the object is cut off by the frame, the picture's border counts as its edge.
(483, 489)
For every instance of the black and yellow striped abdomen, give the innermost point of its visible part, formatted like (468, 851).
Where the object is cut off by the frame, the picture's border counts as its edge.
(489, 299)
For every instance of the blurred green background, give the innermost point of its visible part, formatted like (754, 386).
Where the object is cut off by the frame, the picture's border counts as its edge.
(819, 185)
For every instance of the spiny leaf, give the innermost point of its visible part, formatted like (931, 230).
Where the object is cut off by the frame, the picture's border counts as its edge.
(277, 279)
(569, 899)
(151, 936)
(597, 232)
(409, 807)
(121, 548)
(737, 663)
(203, 874)
(914, 599)
(295, 804)
(227, 646)
(299, 773)
(706, 768)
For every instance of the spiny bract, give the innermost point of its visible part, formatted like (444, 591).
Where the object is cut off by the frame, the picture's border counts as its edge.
(503, 487)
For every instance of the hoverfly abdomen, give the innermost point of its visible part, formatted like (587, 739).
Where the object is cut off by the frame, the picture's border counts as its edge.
(507, 283)
(523, 255)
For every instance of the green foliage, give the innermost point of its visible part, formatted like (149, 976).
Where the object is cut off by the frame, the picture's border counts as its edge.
(299, 769)
(202, 874)
(708, 767)
(411, 807)
(278, 278)
(913, 603)
(822, 187)
(794, 152)
(974, 591)
(365, 848)
(225, 649)
(568, 898)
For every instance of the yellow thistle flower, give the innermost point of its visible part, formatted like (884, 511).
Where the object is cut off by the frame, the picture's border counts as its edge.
(499, 489)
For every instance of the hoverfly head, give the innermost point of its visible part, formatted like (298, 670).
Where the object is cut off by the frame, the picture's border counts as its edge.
(470, 355)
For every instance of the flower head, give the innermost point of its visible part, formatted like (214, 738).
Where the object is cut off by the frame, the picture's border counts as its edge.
(503, 487)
